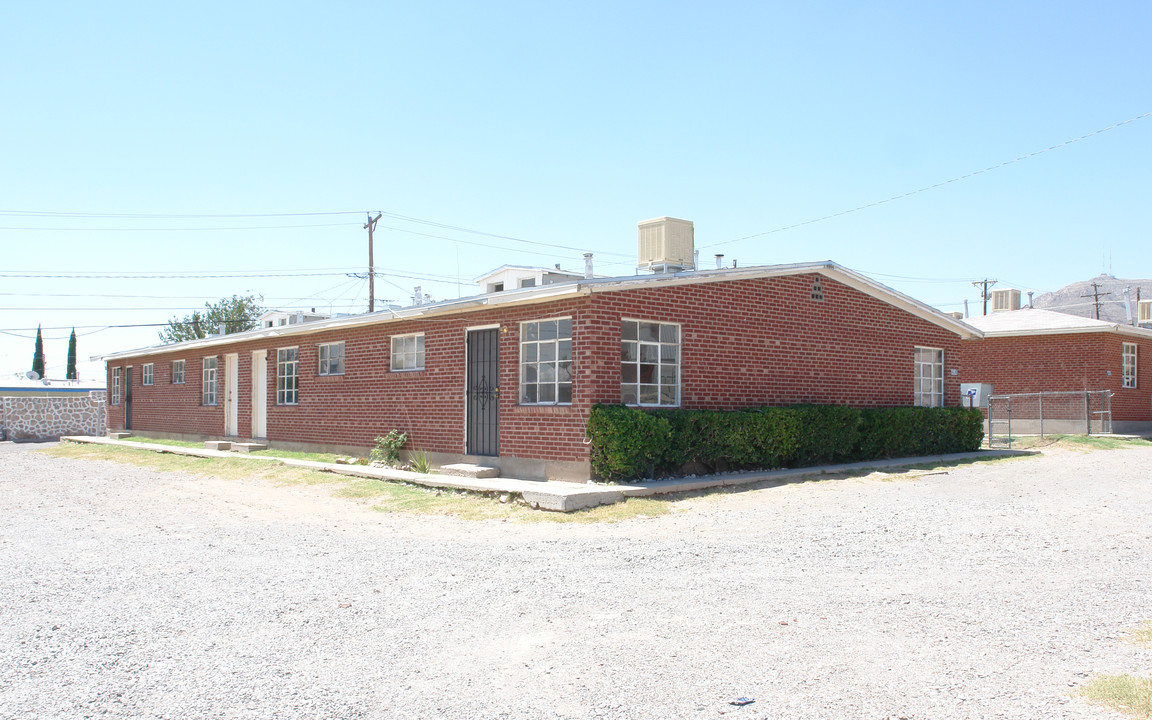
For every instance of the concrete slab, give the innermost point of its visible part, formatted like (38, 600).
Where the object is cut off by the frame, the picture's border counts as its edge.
(248, 447)
(217, 445)
(118, 435)
(469, 471)
(557, 495)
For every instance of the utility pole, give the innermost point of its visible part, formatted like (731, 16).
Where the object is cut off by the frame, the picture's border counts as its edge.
(370, 226)
(985, 284)
(1096, 295)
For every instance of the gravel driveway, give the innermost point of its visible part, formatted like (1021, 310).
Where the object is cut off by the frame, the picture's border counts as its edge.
(981, 591)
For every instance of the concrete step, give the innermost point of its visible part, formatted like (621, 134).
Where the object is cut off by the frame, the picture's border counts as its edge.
(217, 445)
(118, 435)
(246, 447)
(469, 471)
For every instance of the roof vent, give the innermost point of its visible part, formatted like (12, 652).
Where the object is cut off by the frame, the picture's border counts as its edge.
(664, 245)
(1005, 300)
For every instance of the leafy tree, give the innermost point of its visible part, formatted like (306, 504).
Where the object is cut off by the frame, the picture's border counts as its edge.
(38, 355)
(72, 374)
(236, 314)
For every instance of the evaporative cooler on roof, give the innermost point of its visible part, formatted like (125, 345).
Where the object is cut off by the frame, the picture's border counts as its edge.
(664, 245)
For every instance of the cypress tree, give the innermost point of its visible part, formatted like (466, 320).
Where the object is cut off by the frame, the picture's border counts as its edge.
(71, 374)
(38, 356)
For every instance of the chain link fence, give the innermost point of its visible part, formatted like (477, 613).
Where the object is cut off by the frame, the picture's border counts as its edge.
(1074, 412)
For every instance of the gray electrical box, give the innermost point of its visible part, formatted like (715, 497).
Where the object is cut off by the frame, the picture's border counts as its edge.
(975, 394)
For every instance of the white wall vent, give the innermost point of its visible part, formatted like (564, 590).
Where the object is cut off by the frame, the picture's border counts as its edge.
(1145, 312)
(1005, 300)
(665, 245)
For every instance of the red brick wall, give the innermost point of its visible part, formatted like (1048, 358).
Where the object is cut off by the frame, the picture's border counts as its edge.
(1072, 361)
(744, 343)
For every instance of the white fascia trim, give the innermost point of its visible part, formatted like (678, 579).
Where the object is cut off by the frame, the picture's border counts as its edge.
(1118, 329)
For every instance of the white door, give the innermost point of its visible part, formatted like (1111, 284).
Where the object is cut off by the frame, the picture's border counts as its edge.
(231, 390)
(260, 394)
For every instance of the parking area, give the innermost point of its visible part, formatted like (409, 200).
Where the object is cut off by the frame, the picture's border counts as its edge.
(973, 591)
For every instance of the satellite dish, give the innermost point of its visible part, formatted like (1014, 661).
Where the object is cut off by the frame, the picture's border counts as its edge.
(32, 375)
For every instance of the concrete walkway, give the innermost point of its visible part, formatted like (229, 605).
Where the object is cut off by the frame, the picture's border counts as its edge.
(567, 496)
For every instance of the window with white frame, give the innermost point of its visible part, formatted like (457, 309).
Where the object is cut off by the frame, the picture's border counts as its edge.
(1129, 365)
(146, 374)
(408, 352)
(287, 376)
(331, 358)
(208, 382)
(649, 363)
(177, 372)
(546, 362)
(929, 390)
(115, 386)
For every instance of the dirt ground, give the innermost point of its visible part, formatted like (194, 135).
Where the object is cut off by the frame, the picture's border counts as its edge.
(972, 591)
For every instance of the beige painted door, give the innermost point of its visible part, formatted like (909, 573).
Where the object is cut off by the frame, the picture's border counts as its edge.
(260, 394)
(231, 390)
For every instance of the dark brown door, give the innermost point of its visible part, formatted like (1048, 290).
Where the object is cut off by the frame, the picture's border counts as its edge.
(482, 414)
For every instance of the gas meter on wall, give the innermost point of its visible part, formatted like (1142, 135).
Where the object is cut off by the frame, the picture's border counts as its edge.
(975, 394)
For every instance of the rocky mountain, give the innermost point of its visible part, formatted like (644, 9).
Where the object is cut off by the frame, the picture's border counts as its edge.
(1080, 298)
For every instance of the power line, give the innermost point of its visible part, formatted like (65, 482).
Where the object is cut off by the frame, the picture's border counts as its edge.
(164, 216)
(174, 229)
(936, 185)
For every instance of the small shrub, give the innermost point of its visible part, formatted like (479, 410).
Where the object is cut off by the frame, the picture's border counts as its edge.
(420, 462)
(387, 448)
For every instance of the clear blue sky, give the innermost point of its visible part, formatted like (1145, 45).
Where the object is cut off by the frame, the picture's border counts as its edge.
(561, 125)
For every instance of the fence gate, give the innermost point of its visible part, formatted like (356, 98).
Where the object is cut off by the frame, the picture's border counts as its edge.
(1074, 412)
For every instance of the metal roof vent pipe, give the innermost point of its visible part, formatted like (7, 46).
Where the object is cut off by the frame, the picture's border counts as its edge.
(587, 266)
(1030, 298)
(695, 259)
(418, 298)
(719, 260)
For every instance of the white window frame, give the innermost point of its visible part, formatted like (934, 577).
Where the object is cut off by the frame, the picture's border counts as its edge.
(288, 376)
(208, 381)
(116, 386)
(403, 358)
(546, 373)
(147, 374)
(1128, 363)
(177, 372)
(928, 378)
(331, 358)
(662, 363)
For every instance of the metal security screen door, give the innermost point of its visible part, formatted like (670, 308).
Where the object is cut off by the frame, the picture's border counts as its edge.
(482, 414)
(128, 398)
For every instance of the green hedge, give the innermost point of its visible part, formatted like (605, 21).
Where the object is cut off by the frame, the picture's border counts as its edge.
(629, 443)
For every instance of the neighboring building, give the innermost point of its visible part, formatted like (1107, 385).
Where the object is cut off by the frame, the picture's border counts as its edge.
(508, 377)
(518, 277)
(276, 318)
(1028, 350)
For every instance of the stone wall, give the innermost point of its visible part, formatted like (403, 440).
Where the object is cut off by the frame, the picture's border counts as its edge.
(24, 418)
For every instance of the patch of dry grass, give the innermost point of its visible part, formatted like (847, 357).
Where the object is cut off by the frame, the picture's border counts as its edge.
(1128, 694)
(1141, 635)
(381, 495)
(1082, 443)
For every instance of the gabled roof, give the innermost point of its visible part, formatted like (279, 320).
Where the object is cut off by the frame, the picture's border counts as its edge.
(1031, 321)
(582, 286)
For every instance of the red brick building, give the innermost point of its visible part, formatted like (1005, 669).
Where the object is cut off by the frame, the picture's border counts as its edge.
(507, 378)
(1029, 350)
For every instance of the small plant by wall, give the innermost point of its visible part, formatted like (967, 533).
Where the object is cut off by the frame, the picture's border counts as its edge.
(388, 447)
(630, 443)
